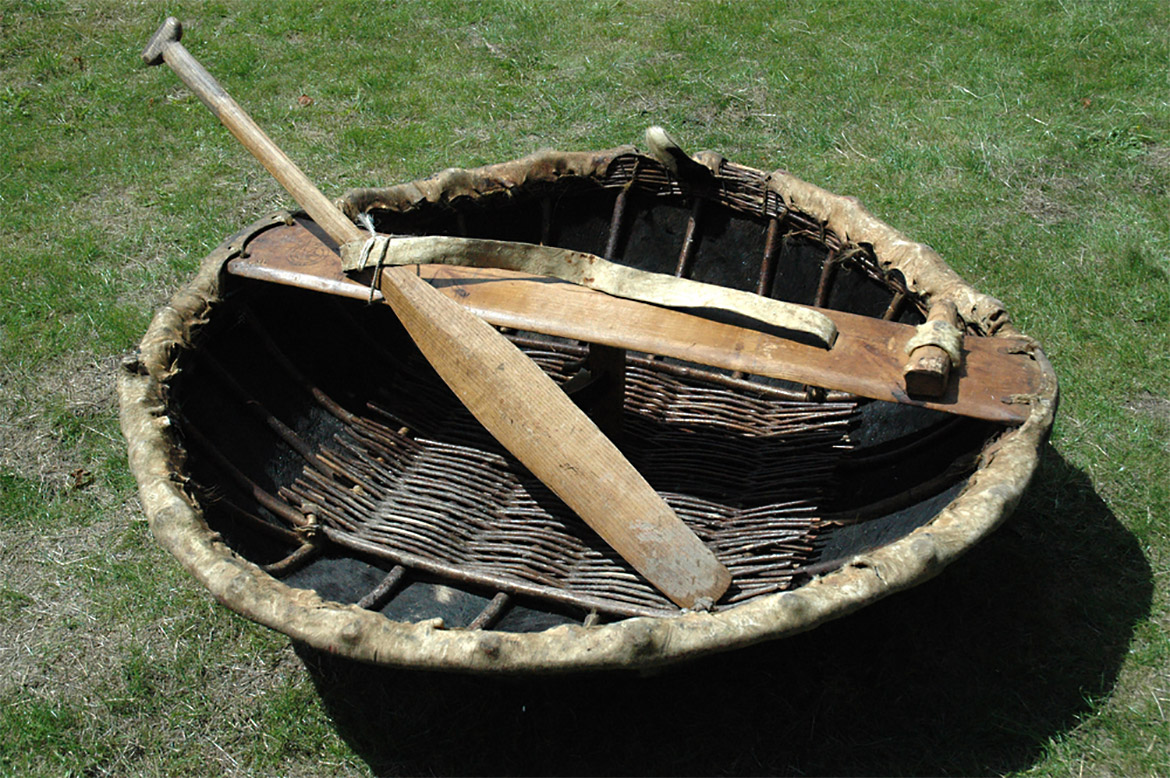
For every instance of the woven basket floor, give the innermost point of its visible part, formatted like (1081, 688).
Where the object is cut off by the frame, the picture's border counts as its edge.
(424, 483)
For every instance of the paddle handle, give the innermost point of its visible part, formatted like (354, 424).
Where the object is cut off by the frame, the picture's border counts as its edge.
(165, 46)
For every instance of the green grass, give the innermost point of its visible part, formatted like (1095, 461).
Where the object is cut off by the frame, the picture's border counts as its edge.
(1029, 142)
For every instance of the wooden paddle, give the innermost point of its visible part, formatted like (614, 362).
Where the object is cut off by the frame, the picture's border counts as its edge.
(512, 397)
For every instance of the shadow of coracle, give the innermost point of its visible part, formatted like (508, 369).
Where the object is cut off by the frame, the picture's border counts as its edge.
(972, 672)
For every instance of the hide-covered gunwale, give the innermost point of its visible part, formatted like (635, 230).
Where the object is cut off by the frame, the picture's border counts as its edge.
(858, 553)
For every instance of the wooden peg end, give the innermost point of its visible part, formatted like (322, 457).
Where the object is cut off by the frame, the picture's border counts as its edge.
(928, 367)
(170, 32)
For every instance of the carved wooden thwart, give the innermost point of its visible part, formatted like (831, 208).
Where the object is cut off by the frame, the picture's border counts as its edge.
(814, 412)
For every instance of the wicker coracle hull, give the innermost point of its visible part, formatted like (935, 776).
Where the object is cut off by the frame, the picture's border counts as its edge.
(299, 457)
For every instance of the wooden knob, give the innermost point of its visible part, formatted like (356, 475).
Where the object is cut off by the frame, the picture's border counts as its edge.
(170, 32)
(928, 368)
(667, 151)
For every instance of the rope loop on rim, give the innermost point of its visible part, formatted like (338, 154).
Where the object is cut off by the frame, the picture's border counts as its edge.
(942, 334)
(374, 240)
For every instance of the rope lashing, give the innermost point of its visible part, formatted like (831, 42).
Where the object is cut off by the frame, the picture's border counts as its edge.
(380, 241)
(942, 334)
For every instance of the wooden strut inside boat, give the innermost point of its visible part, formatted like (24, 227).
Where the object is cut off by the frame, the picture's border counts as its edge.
(868, 358)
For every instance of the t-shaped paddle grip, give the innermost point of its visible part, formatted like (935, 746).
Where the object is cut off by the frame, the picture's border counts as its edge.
(170, 32)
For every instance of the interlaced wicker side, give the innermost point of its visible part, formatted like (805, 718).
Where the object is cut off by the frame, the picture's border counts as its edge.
(745, 189)
(424, 486)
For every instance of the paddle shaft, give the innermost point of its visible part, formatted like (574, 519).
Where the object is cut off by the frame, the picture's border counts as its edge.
(165, 46)
(512, 397)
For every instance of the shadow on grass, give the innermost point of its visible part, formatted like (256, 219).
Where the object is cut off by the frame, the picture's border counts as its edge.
(969, 673)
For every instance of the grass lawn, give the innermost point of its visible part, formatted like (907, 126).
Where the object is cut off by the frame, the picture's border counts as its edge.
(1028, 142)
